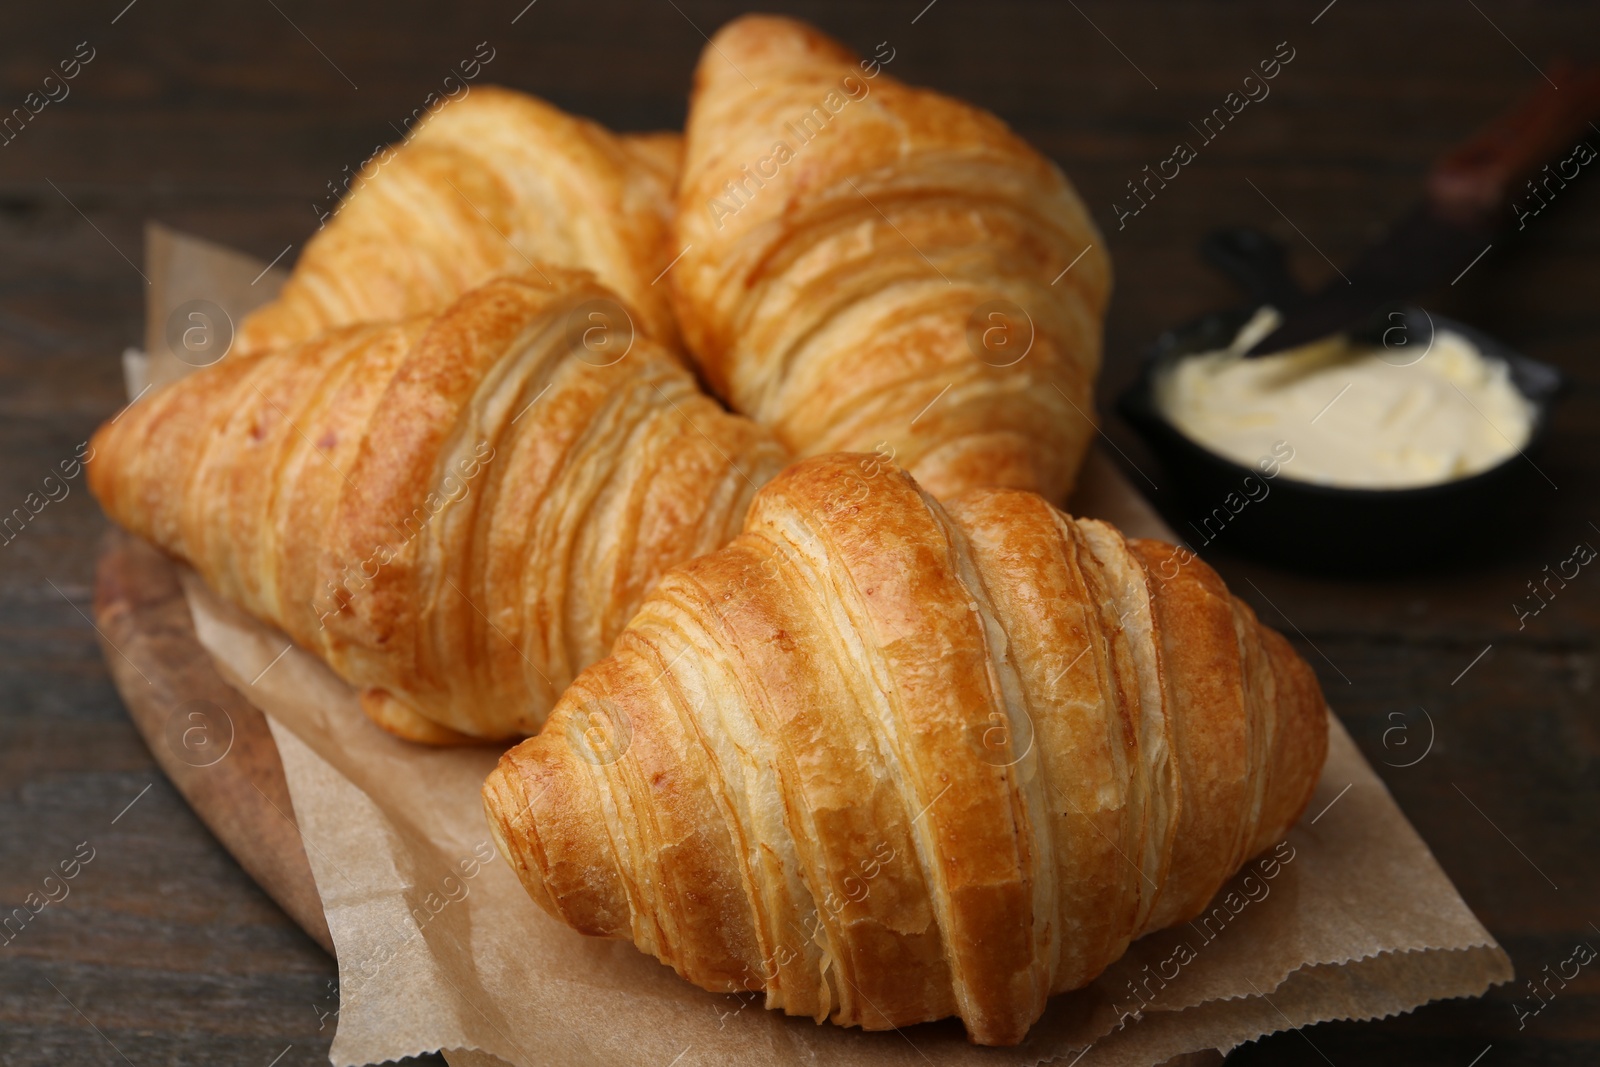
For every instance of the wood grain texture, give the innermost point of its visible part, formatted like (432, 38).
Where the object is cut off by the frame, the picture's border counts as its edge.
(208, 739)
(226, 122)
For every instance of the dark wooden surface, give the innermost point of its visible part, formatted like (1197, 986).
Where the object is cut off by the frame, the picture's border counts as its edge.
(225, 120)
(214, 746)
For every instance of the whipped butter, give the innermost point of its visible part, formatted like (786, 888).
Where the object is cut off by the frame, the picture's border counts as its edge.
(1356, 415)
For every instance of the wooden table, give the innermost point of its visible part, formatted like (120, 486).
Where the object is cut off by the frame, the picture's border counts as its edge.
(230, 122)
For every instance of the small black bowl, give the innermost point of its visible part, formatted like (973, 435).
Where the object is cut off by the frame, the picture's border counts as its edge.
(1318, 527)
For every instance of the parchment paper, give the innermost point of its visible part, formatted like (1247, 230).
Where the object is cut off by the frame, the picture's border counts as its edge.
(440, 948)
(187, 274)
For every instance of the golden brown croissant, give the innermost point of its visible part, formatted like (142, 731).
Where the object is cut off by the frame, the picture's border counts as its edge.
(662, 153)
(497, 182)
(458, 513)
(869, 266)
(887, 762)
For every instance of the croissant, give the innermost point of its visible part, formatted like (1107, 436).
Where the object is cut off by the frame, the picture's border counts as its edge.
(661, 153)
(868, 266)
(457, 512)
(496, 182)
(887, 761)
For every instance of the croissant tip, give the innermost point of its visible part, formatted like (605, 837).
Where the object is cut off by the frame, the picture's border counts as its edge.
(550, 838)
(515, 833)
(404, 721)
(771, 37)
